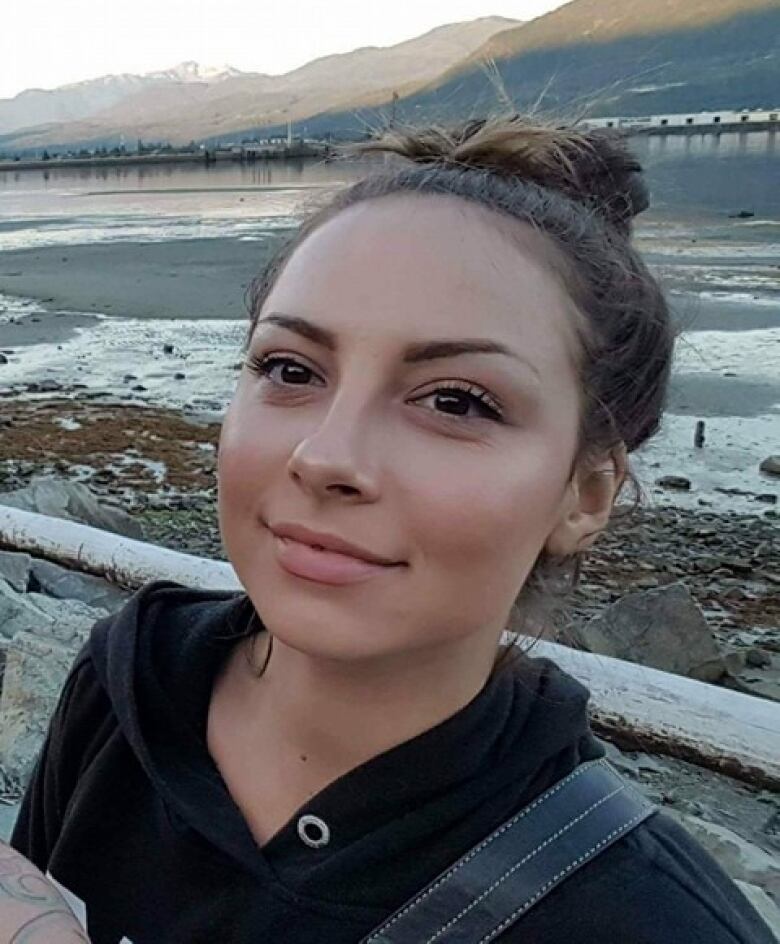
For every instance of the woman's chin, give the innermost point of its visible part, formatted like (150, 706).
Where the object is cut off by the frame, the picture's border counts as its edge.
(328, 639)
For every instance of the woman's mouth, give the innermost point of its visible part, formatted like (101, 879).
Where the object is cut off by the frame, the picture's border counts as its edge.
(324, 566)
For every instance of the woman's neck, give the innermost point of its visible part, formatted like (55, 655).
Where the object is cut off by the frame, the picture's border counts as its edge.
(337, 715)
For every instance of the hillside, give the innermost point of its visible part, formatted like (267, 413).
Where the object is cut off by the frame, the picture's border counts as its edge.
(179, 112)
(597, 21)
(606, 58)
(647, 47)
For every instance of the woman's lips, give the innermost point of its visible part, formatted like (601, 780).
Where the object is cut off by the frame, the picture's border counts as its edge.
(303, 560)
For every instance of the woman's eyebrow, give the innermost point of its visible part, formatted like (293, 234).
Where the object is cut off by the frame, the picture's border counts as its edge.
(414, 354)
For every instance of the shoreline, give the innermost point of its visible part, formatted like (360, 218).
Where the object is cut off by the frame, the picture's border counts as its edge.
(206, 276)
(186, 278)
(40, 327)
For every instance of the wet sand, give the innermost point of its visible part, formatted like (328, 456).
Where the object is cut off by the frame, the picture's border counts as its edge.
(207, 278)
(196, 278)
(41, 328)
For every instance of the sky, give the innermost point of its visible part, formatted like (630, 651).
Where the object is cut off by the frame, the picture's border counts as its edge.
(47, 43)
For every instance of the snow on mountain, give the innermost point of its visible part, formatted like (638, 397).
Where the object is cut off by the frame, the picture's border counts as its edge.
(191, 71)
(80, 100)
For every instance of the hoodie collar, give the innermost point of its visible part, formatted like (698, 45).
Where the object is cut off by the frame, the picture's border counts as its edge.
(443, 790)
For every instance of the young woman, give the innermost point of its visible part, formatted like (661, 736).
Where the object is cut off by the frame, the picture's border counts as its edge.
(446, 370)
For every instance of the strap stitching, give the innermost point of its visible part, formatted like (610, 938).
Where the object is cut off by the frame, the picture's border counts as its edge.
(522, 862)
(585, 855)
(446, 876)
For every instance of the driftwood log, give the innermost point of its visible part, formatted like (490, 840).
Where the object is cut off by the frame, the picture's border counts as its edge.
(639, 708)
(636, 707)
(120, 560)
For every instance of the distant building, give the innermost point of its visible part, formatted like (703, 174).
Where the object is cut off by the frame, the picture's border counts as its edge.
(688, 119)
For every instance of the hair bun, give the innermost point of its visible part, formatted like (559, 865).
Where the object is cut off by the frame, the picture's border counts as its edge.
(594, 167)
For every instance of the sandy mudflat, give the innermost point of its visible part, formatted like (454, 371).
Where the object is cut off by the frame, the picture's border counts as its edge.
(197, 278)
(45, 327)
(206, 278)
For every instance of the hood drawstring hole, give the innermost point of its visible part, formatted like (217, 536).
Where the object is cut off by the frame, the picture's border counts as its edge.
(313, 831)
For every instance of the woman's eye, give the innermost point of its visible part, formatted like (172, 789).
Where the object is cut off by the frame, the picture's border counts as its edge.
(457, 401)
(289, 373)
(453, 401)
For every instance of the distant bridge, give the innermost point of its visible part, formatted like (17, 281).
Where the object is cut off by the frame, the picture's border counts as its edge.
(703, 122)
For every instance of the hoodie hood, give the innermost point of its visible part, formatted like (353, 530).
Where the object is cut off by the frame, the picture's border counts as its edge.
(442, 791)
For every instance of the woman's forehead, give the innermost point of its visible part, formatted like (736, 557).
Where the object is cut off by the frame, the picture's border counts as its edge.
(426, 266)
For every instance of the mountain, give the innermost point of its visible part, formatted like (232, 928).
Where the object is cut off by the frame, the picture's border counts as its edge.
(82, 99)
(604, 57)
(597, 21)
(624, 51)
(180, 110)
(587, 57)
(190, 71)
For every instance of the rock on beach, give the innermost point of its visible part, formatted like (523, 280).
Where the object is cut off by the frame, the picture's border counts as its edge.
(663, 628)
(72, 501)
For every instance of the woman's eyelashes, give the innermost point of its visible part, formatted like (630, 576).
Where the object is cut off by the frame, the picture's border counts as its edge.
(457, 394)
(454, 398)
(264, 366)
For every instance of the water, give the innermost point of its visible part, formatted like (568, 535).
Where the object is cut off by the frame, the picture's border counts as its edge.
(687, 235)
(722, 276)
(70, 206)
(695, 182)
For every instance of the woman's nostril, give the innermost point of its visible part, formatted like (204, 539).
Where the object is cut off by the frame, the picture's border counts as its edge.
(348, 489)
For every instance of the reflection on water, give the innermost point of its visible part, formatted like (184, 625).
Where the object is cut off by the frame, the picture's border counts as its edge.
(713, 173)
(720, 271)
(688, 235)
(679, 167)
(201, 175)
(63, 206)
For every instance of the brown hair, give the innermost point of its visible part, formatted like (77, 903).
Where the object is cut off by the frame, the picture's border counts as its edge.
(579, 188)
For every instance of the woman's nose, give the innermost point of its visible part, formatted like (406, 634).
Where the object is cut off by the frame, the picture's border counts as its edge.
(338, 458)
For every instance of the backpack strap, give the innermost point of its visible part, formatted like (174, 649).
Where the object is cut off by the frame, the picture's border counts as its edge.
(506, 874)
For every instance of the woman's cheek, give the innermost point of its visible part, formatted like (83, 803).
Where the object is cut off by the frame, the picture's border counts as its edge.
(236, 459)
(500, 513)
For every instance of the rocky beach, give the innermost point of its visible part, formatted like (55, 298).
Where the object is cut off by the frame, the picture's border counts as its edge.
(121, 339)
(123, 319)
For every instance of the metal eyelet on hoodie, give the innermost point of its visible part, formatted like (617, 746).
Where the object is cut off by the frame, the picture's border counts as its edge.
(313, 831)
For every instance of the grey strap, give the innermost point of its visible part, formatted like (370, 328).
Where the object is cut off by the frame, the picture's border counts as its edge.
(506, 874)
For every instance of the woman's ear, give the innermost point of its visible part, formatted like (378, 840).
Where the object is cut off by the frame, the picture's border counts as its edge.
(587, 505)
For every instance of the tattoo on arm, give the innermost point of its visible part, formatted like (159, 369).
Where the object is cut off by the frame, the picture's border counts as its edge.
(25, 884)
(32, 911)
(39, 930)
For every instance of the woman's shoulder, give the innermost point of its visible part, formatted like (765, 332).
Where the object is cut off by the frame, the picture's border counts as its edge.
(164, 621)
(151, 659)
(655, 885)
(160, 633)
(677, 862)
(176, 607)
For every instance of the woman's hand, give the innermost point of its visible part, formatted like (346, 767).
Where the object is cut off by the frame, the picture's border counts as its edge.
(32, 911)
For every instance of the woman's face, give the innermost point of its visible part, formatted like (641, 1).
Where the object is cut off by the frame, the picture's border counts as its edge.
(353, 417)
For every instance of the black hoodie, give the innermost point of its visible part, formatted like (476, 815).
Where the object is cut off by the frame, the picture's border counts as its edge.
(128, 813)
